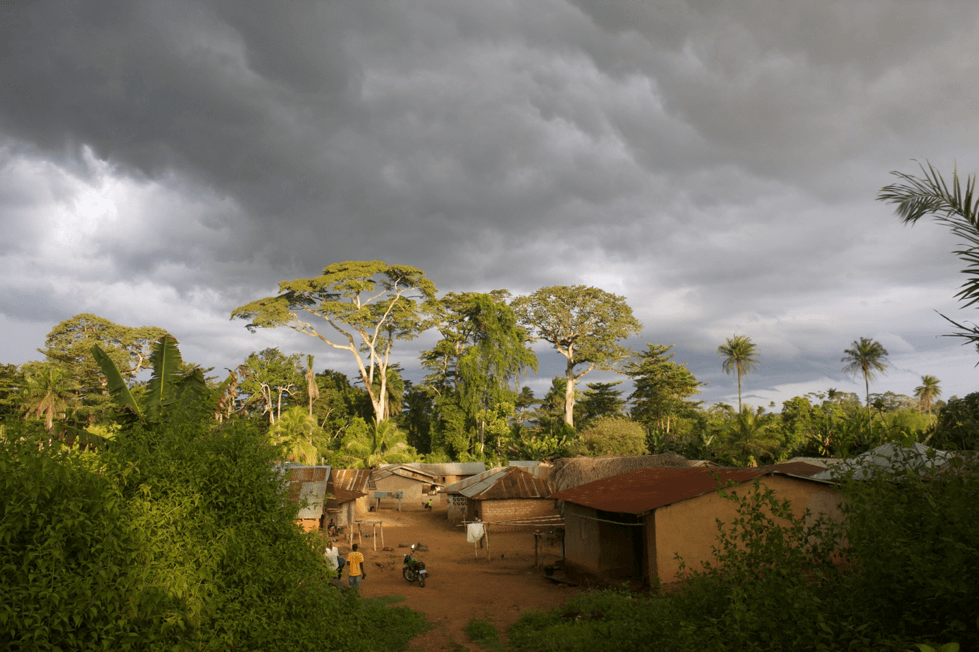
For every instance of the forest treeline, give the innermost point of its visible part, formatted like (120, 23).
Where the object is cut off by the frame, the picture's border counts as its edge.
(472, 404)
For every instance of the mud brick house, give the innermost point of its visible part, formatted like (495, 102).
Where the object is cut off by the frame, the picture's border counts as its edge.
(510, 497)
(634, 525)
(454, 500)
(350, 489)
(415, 484)
(306, 487)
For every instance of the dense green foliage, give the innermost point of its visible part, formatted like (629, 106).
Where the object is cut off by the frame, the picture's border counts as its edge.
(178, 538)
(611, 436)
(902, 575)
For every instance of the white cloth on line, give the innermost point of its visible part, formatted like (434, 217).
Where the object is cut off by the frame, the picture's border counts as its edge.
(474, 532)
(331, 556)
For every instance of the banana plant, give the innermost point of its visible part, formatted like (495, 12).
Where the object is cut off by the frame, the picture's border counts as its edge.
(168, 392)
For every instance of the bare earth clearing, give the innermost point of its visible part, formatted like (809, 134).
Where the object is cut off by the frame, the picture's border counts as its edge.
(460, 587)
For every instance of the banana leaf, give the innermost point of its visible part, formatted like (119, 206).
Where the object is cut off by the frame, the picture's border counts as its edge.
(116, 385)
(160, 390)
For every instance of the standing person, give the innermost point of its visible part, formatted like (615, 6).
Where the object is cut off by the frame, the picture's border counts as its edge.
(332, 555)
(355, 561)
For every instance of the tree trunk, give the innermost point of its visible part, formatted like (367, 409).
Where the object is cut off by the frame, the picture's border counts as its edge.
(569, 396)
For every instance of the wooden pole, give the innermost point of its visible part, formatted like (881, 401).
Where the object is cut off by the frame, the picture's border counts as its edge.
(486, 536)
(382, 535)
(374, 535)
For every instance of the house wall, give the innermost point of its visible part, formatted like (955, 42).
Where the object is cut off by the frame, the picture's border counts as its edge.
(618, 555)
(412, 489)
(515, 509)
(581, 540)
(689, 528)
(456, 507)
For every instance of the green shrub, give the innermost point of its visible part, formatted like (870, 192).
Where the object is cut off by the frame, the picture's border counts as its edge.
(611, 436)
(179, 537)
(907, 577)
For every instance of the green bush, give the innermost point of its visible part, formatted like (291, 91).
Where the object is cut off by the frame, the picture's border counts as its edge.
(905, 576)
(179, 537)
(611, 436)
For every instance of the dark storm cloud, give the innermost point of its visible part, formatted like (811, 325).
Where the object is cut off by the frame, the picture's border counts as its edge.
(714, 162)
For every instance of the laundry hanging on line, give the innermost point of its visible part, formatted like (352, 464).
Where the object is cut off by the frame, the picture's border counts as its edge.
(474, 532)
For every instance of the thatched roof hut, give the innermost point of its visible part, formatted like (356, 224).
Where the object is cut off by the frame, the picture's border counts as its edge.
(575, 471)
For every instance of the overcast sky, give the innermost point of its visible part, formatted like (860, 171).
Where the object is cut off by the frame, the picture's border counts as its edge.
(715, 162)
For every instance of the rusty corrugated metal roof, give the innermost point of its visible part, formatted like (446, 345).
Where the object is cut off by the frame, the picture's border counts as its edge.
(643, 490)
(802, 469)
(509, 482)
(355, 480)
(457, 487)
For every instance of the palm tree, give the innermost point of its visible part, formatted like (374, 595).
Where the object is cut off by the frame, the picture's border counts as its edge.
(296, 433)
(747, 436)
(47, 392)
(927, 392)
(738, 354)
(866, 357)
(956, 207)
(385, 444)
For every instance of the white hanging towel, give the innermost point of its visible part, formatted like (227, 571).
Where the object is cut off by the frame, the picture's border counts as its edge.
(474, 532)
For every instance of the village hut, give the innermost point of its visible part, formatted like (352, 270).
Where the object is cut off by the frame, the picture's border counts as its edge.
(454, 500)
(570, 472)
(415, 485)
(636, 524)
(350, 502)
(511, 498)
(448, 473)
(306, 487)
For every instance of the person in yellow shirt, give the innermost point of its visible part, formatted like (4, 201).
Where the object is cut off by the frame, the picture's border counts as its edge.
(355, 563)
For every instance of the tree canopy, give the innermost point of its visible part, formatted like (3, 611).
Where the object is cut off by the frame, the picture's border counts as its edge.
(661, 387)
(584, 324)
(368, 304)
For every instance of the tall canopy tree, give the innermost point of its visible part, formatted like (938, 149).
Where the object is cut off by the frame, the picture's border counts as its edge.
(584, 324)
(738, 354)
(477, 365)
(865, 357)
(956, 207)
(926, 393)
(661, 387)
(70, 343)
(270, 378)
(368, 304)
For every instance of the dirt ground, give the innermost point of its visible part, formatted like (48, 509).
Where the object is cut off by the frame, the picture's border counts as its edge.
(461, 585)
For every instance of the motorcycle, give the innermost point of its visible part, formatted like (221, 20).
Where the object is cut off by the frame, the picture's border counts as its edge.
(414, 569)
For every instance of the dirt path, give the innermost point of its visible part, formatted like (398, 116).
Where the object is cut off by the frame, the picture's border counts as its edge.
(460, 587)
